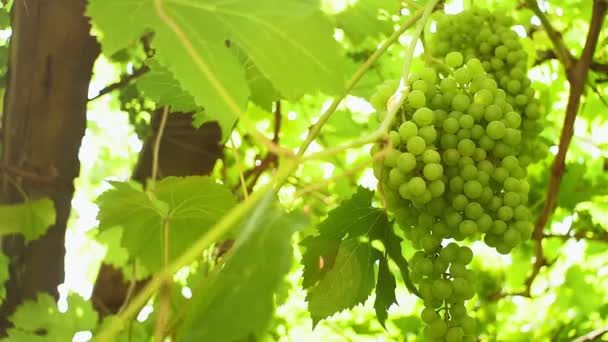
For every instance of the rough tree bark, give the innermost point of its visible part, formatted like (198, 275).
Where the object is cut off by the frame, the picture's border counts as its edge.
(51, 57)
(184, 151)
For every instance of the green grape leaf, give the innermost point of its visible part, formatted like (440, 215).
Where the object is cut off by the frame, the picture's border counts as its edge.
(31, 218)
(318, 258)
(243, 290)
(368, 18)
(161, 86)
(354, 217)
(291, 42)
(575, 187)
(43, 315)
(348, 283)
(191, 205)
(385, 291)
(4, 275)
(392, 243)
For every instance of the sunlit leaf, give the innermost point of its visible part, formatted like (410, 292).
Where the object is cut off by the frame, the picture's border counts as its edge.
(31, 218)
(242, 291)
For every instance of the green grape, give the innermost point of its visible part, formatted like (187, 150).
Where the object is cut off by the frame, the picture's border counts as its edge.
(416, 186)
(408, 130)
(391, 158)
(396, 178)
(505, 213)
(416, 145)
(466, 147)
(462, 75)
(511, 199)
(473, 189)
(428, 133)
(419, 85)
(423, 116)
(428, 315)
(483, 97)
(464, 255)
(454, 334)
(449, 252)
(442, 289)
(466, 121)
(492, 112)
(395, 139)
(406, 162)
(436, 187)
(431, 156)
(467, 323)
(498, 227)
(460, 102)
(451, 156)
(458, 310)
(473, 210)
(500, 174)
(496, 130)
(417, 99)
(448, 85)
(454, 59)
(469, 173)
(429, 75)
(432, 171)
(459, 202)
(512, 237)
(424, 266)
(438, 328)
(467, 227)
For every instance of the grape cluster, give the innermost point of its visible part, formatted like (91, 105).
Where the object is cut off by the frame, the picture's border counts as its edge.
(446, 291)
(453, 172)
(487, 36)
(456, 165)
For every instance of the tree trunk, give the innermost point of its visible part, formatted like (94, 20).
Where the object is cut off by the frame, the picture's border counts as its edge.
(51, 58)
(184, 151)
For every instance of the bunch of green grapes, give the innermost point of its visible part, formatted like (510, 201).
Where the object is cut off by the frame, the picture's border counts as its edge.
(445, 283)
(487, 36)
(454, 172)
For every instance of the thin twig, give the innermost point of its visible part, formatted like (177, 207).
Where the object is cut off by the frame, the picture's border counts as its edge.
(316, 128)
(28, 175)
(122, 82)
(313, 187)
(593, 335)
(561, 51)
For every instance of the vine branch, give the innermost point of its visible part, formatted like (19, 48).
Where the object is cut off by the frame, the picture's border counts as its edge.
(593, 335)
(576, 71)
(142, 70)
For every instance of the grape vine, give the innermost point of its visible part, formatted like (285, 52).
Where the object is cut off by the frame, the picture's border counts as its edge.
(457, 165)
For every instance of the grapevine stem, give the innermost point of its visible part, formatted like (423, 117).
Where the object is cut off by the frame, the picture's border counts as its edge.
(313, 187)
(315, 130)
(394, 103)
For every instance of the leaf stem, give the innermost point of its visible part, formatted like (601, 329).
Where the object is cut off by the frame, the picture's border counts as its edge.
(394, 104)
(316, 128)
(156, 151)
